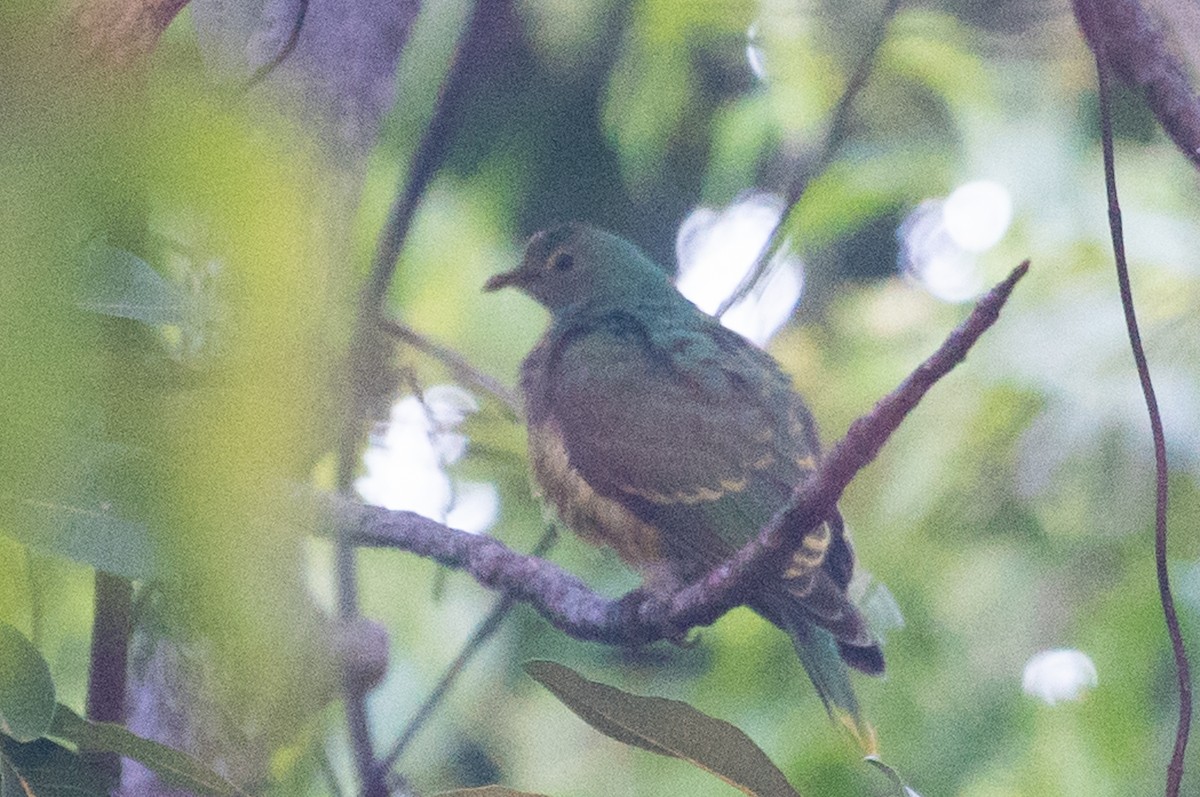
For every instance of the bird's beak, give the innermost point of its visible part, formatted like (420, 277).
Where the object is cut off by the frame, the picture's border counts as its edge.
(502, 280)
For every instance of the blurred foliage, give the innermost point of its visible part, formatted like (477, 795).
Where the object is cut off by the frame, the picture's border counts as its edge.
(173, 314)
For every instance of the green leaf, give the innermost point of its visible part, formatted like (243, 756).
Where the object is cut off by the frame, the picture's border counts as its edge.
(487, 791)
(46, 769)
(82, 530)
(121, 284)
(667, 727)
(26, 689)
(174, 767)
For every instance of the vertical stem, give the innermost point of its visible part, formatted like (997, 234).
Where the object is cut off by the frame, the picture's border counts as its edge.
(365, 352)
(1175, 767)
(111, 626)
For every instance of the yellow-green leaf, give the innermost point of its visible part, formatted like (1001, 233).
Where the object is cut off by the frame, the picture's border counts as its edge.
(667, 727)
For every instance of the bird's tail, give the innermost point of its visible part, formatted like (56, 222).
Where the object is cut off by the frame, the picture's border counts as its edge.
(827, 662)
(819, 654)
(829, 634)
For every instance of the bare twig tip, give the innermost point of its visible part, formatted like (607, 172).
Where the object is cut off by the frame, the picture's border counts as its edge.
(1012, 279)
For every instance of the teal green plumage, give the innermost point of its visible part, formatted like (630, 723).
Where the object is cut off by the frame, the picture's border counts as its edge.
(658, 431)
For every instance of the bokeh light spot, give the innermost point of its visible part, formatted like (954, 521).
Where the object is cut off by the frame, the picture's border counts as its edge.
(977, 214)
(406, 464)
(716, 249)
(1060, 674)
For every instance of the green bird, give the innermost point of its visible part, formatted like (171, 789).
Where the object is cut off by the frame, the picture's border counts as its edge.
(659, 432)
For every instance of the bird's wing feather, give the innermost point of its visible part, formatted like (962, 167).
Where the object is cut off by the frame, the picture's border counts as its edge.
(686, 425)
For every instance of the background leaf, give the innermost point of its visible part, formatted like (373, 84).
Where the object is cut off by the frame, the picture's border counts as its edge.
(120, 284)
(668, 727)
(26, 689)
(173, 766)
(82, 530)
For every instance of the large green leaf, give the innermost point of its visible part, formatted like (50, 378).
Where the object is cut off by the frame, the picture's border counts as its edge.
(667, 727)
(79, 504)
(26, 690)
(46, 769)
(175, 768)
(82, 530)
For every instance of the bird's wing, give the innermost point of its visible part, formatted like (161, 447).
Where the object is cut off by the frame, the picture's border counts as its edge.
(688, 426)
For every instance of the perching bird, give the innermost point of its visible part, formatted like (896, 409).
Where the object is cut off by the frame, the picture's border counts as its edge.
(659, 432)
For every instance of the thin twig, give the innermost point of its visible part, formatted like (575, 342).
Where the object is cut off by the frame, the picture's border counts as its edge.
(833, 142)
(814, 500)
(431, 151)
(639, 617)
(463, 371)
(1087, 12)
(266, 69)
(363, 358)
(482, 633)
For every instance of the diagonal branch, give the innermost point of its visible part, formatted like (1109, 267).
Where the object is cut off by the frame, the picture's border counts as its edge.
(458, 365)
(482, 633)
(838, 129)
(639, 618)
(1125, 37)
(365, 351)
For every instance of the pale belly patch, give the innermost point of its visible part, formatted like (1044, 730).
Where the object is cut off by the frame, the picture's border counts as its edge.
(599, 520)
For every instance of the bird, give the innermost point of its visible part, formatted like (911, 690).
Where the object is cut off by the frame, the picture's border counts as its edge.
(656, 430)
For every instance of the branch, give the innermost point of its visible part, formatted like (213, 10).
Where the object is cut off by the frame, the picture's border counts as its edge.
(120, 33)
(109, 666)
(482, 633)
(833, 142)
(458, 365)
(1087, 13)
(1124, 36)
(639, 618)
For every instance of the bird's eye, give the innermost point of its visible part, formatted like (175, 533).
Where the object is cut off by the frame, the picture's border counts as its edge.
(562, 262)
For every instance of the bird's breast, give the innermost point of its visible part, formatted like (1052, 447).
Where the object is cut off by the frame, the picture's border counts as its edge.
(599, 520)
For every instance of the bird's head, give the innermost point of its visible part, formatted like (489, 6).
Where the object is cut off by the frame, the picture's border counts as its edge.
(573, 265)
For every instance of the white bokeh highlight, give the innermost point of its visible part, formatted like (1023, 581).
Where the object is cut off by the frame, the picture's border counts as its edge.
(1053, 676)
(716, 250)
(977, 214)
(941, 239)
(755, 56)
(406, 464)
